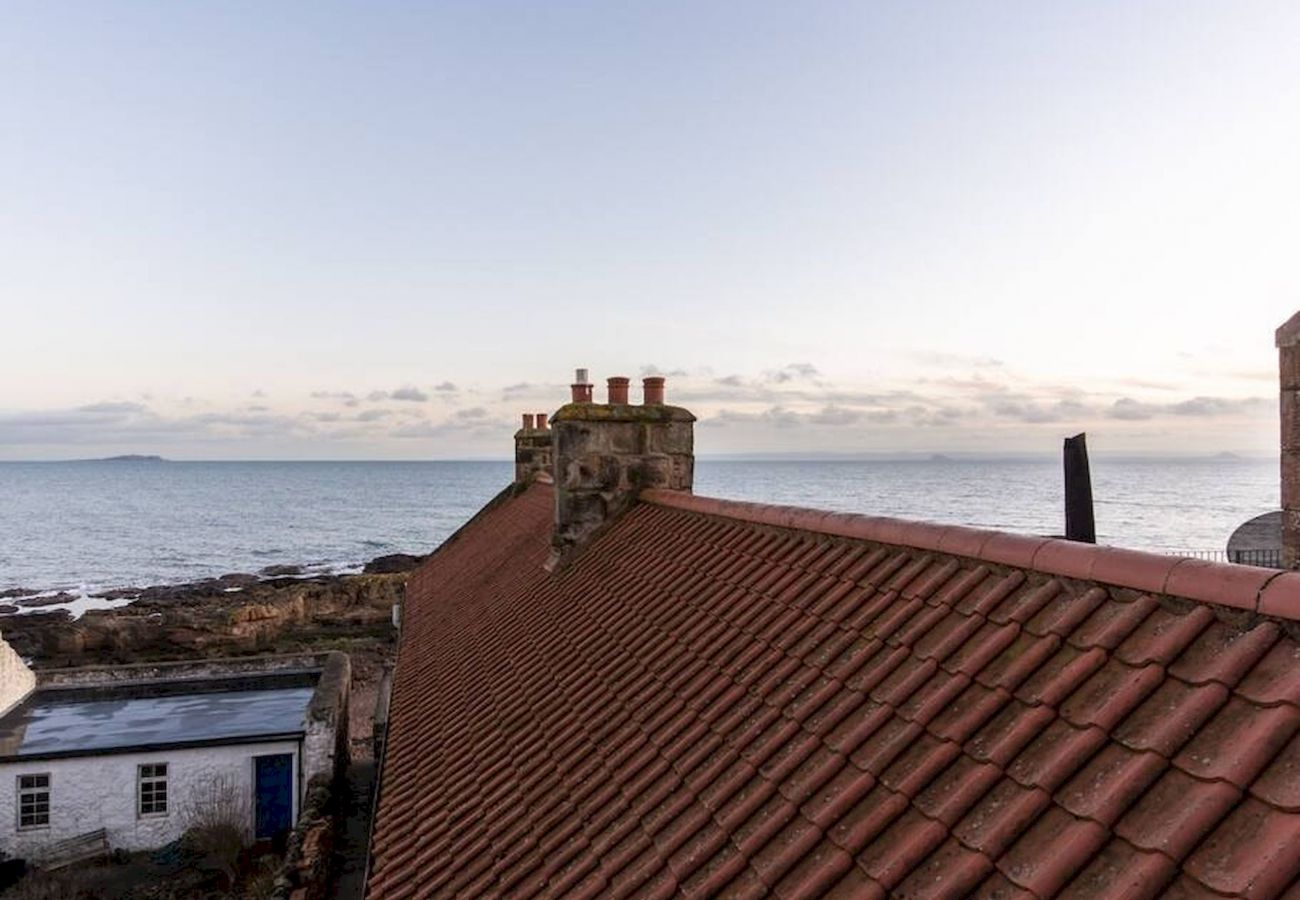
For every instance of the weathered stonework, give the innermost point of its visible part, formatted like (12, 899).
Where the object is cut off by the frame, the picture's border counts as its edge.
(1288, 348)
(605, 454)
(532, 453)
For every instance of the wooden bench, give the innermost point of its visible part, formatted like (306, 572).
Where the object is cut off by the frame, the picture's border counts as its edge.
(91, 845)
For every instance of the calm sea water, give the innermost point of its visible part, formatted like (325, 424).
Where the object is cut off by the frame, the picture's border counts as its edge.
(86, 526)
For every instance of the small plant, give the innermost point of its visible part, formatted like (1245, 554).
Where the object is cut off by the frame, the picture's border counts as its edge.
(216, 825)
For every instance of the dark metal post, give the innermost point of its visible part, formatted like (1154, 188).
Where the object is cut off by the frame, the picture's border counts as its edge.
(1079, 524)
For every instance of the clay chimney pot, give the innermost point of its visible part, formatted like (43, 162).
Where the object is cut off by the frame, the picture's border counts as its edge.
(617, 389)
(653, 389)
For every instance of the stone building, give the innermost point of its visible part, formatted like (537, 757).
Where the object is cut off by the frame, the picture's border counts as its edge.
(140, 751)
(608, 686)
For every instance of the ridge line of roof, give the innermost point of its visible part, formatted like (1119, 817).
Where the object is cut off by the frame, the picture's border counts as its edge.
(1265, 591)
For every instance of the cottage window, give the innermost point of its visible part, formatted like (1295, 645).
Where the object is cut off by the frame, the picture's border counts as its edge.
(153, 789)
(34, 801)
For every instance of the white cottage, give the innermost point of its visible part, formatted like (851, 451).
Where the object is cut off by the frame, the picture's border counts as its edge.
(142, 751)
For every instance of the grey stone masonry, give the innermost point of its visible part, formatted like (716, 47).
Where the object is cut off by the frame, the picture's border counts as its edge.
(1288, 351)
(605, 454)
(532, 453)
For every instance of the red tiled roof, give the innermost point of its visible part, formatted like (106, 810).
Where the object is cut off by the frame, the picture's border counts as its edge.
(722, 698)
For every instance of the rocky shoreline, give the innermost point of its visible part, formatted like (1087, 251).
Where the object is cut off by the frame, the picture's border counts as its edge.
(281, 608)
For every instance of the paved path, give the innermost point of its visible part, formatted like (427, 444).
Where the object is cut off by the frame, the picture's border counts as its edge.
(356, 831)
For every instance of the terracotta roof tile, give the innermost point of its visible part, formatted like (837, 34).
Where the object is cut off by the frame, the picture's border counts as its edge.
(1239, 741)
(1276, 677)
(959, 787)
(1168, 718)
(1224, 654)
(1104, 788)
(714, 699)
(1121, 872)
(1255, 852)
(1000, 816)
(950, 871)
(1054, 848)
(1176, 813)
(1279, 785)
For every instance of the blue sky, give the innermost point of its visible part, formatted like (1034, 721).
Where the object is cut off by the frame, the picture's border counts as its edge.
(384, 230)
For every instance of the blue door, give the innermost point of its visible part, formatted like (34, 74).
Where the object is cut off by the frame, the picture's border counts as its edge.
(274, 792)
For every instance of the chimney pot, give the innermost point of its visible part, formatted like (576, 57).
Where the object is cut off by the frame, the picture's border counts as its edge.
(581, 387)
(617, 389)
(653, 387)
(541, 422)
(528, 422)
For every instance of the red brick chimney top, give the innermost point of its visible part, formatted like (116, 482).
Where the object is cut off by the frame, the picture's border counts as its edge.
(541, 422)
(617, 389)
(653, 388)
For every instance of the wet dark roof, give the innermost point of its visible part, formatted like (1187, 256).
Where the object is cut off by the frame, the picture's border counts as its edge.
(60, 723)
(726, 699)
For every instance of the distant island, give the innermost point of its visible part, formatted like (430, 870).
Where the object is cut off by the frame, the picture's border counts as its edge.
(130, 457)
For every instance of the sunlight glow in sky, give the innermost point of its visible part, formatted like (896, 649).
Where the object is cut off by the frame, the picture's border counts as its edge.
(383, 230)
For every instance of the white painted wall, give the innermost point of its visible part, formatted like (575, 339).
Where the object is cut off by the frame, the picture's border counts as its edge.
(88, 793)
(16, 680)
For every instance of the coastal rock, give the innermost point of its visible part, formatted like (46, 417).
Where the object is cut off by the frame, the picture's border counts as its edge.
(392, 564)
(51, 600)
(7, 609)
(237, 579)
(280, 571)
(183, 620)
(10, 593)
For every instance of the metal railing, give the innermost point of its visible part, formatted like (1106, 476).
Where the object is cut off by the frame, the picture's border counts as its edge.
(1268, 559)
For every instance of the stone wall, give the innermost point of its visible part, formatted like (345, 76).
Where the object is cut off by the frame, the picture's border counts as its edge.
(16, 680)
(325, 745)
(1288, 349)
(307, 872)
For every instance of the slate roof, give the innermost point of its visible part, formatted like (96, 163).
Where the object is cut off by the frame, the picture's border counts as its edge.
(728, 699)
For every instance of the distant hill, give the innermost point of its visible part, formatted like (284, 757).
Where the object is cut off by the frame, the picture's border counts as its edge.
(130, 457)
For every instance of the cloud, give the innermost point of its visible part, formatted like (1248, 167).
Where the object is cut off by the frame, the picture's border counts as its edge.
(347, 398)
(956, 360)
(445, 387)
(793, 372)
(474, 414)
(410, 394)
(653, 370)
(113, 408)
(1224, 406)
(1129, 410)
(373, 415)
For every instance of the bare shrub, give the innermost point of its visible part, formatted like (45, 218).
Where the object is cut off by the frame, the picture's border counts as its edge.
(216, 824)
(66, 884)
(260, 884)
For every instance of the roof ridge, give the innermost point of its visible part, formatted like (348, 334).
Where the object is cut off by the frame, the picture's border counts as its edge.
(1266, 591)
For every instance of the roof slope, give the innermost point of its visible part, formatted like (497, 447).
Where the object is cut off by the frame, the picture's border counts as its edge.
(720, 698)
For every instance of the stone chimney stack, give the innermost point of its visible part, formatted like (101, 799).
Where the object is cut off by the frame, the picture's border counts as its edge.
(533, 455)
(1288, 351)
(606, 453)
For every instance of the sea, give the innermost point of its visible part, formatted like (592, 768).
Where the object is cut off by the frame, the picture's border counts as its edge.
(85, 527)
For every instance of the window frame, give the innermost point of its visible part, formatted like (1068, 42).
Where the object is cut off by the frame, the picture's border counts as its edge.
(21, 795)
(158, 786)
